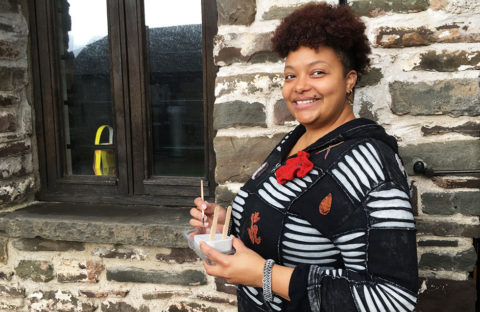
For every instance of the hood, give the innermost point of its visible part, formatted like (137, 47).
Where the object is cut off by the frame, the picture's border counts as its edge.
(356, 129)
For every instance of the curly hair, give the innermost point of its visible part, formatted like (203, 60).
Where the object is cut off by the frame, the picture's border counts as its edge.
(320, 24)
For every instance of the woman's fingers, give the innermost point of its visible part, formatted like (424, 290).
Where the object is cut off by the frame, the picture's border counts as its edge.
(212, 254)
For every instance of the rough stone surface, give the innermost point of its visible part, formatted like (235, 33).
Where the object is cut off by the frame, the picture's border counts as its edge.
(371, 78)
(136, 275)
(450, 183)
(103, 294)
(223, 196)
(110, 306)
(119, 253)
(240, 47)
(442, 155)
(245, 154)
(281, 114)
(8, 100)
(222, 286)
(37, 271)
(162, 295)
(455, 97)
(278, 12)
(373, 8)
(14, 149)
(15, 167)
(8, 50)
(437, 243)
(15, 191)
(217, 300)
(446, 295)
(3, 249)
(8, 123)
(73, 271)
(468, 128)
(40, 244)
(11, 78)
(11, 291)
(190, 306)
(64, 301)
(367, 111)
(466, 203)
(238, 114)
(248, 84)
(448, 61)
(6, 276)
(447, 228)
(178, 255)
(463, 261)
(231, 12)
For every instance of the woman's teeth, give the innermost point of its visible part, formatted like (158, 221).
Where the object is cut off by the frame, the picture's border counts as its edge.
(306, 102)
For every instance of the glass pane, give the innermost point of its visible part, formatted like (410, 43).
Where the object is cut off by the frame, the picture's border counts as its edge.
(174, 37)
(85, 78)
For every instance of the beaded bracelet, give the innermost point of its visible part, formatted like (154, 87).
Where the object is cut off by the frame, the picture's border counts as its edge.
(267, 280)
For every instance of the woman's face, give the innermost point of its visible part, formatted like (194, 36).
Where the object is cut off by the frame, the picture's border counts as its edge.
(315, 88)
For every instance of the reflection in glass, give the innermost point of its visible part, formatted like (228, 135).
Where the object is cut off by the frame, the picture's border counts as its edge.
(85, 78)
(174, 38)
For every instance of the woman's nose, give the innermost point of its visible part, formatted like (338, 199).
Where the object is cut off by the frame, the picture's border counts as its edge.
(301, 85)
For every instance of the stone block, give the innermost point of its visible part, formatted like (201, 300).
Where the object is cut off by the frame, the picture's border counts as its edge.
(238, 158)
(450, 183)
(6, 276)
(238, 114)
(8, 100)
(10, 6)
(73, 271)
(281, 114)
(437, 243)
(3, 249)
(469, 128)
(446, 295)
(8, 123)
(12, 78)
(119, 253)
(61, 300)
(366, 110)
(450, 203)
(162, 295)
(244, 47)
(248, 84)
(190, 306)
(16, 191)
(37, 271)
(446, 228)
(462, 261)
(371, 78)
(223, 196)
(278, 12)
(178, 255)
(231, 12)
(374, 8)
(15, 167)
(40, 244)
(455, 97)
(217, 299)
(137, 275)
(442, 155)
(11, 291)
(110, 306)
(14, 149)
(104, 294)
(8, 51)
(448, 61)
(222, 286)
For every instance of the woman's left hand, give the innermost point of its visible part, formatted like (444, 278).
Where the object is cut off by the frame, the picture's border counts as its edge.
(244, 267)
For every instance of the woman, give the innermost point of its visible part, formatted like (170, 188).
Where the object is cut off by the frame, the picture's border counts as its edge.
(325, 224)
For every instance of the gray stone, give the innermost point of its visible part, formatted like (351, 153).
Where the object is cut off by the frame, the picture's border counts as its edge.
(11, 78)
(222, 286)
(37, 271)
(6, 276)
(119, 253)
(238, 158)
(16, 191)
(463, 261)
(104, 294)
(3, 249)
(281, 114)
(232, 84)
(14, 149)
(15, 167)
(110, 306)
(468, 128)
(446, 295)
(9, 6)
(442, 155)
(60, 300)
(366, 111)
(437, 243)
(131, 225)
(371, 78)
(8, 51)
(238, 114)
(12, 291)
(448, 61)
(374, 8)
(178, 255)
(190, 306)
(8, 100)
(8, 123)
(136, 275)
(455, 97)
(231, 12)
(447, 228)
(449, 183)
(466, 203)
(40, 244)
(276, 12)
(264, 57)
(223, 196)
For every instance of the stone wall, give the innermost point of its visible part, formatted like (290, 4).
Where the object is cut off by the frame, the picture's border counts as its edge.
(17, 178)
(423, 87)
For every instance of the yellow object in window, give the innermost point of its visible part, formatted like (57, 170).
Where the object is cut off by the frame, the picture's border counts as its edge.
(104, 159)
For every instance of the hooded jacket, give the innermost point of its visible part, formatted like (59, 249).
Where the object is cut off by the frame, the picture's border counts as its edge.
(347, 226)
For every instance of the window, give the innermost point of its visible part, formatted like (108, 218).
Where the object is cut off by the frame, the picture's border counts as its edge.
(123, 92)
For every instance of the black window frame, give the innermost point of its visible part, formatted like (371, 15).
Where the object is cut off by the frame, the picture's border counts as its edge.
(134, 183)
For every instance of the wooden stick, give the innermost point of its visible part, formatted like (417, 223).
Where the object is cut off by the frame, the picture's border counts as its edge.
(213, 229)
(201, 195)
(227, 222)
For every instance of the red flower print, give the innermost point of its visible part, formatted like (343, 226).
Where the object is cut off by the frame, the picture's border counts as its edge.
(325, 205)
(296, 167)
(253, 229)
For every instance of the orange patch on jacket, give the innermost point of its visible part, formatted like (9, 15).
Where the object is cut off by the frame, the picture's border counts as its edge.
(325, 205)
(253, 229)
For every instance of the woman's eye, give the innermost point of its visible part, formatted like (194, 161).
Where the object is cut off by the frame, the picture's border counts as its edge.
(287, 77)
(318, 73)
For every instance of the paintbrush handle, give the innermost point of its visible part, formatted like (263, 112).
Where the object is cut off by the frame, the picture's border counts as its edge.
(213, 229)
(227, 222)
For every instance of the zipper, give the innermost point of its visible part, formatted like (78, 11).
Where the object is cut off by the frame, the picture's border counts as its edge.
(277, 165)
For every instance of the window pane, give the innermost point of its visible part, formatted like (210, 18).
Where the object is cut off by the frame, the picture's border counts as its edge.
(85, 78)
(174, 38)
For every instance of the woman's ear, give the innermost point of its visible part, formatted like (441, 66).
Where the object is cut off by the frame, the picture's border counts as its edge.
(351, 79)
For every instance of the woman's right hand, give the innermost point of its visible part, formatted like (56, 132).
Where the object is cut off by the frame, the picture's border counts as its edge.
(196, 213)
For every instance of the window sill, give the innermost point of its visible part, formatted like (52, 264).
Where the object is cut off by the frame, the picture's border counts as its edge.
(93, 223)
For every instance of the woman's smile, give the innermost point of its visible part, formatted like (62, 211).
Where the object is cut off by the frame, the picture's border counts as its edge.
(306, 103)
